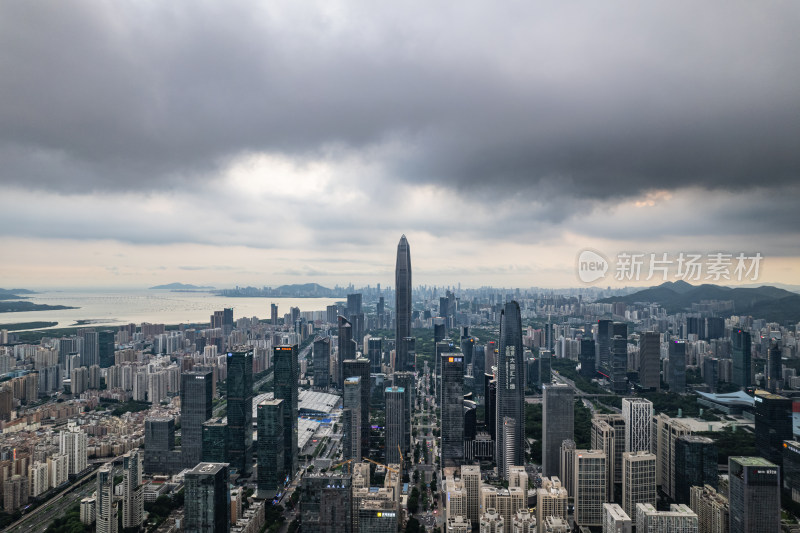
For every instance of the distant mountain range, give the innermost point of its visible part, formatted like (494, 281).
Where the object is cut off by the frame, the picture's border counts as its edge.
(303, 290)
(179, 287)
(767, 302)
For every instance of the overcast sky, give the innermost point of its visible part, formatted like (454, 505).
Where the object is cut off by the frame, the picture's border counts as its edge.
(261, 143)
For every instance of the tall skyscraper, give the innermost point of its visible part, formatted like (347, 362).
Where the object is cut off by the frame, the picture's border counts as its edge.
(215, 441)
(511, 387)
(375, 354)
(273, 314)
(450, 404)
(240, 412)
(774, 366)
(106, 508)
(558, 425)
(695, 465)
(322, 362)
(741, 349)
(353, 304)
(408, 382)
(91, 347)
(160, 455)
(638, 480)
(676, 377)
(650, 360)
(271, 446)
(73, 443)
(360, 367)
(604, 336)
(351, 405)
(638, 414)
(490, 412)
(667, 431)
(590, 487)
(132, 490)
(609, 437)
(207, 507)
(773, 425)
(395, 424)
(402, 284)
(287, 375)
(587, 357)
(791, 470)
(196, 408)
(346, 349)
(755, 498)
(619, 364)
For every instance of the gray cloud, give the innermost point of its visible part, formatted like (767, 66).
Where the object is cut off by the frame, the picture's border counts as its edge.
(544, 99)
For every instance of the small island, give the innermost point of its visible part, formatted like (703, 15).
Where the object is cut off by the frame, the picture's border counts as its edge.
(180, 287)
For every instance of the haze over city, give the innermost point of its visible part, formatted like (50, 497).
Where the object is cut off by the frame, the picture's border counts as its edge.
(411, 267)
(244, 143)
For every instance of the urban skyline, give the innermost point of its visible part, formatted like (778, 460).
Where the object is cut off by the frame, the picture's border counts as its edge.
(208, 319)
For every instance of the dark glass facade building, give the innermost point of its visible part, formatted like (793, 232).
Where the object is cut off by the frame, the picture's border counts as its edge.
(791, 470)
(215, 441)
(287, 375)
(773, 424)
(695, 465)
(402, 284)
(271, 446)
(676, 377)
(619, 364)
(587, 358)
(240, 411)
(451, 409)
(160, 455)
(741, 348)
(347, 349)
(196, 408)
(650, 360)
(754, 495)
(407, 381)
(510, 388)
(360, 368)
(322, 362)
(207, 506)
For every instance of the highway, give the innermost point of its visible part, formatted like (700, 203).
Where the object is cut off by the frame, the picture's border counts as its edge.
(38, 519)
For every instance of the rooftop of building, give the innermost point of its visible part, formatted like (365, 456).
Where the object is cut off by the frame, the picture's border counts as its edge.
(752, 461)
(208, 468)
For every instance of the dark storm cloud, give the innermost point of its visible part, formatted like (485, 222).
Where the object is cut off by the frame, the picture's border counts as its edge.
(543, 98)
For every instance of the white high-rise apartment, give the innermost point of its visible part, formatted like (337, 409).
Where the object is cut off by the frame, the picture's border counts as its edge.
(590, 487)
(551, 500)
(471, 477)
(638, 415)
(132, 490)
(73, 443)
(638, 480)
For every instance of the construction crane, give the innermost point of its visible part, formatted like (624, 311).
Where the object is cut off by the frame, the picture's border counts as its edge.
(401, 454)
(387, 467)
(349, 466)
